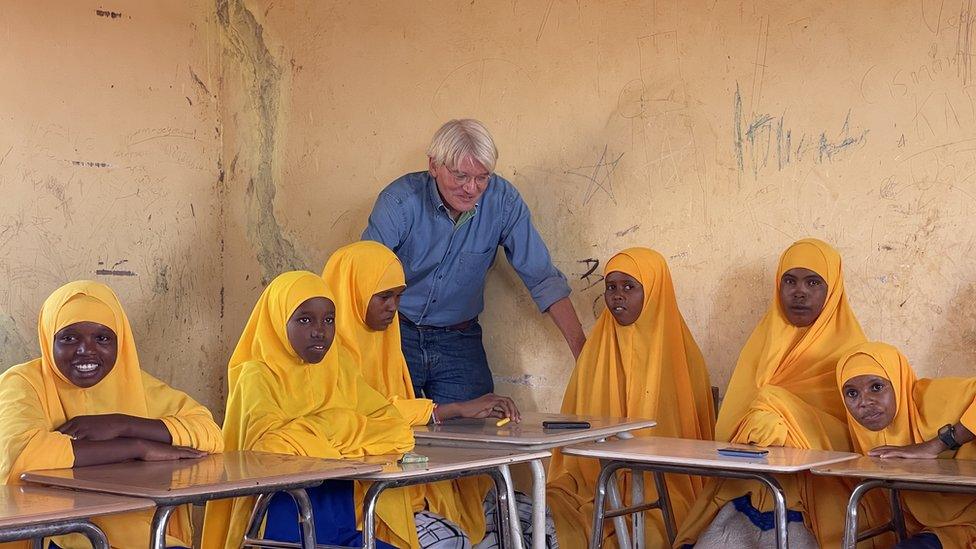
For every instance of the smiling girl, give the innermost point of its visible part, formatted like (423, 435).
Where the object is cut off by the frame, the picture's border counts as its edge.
(86, 401)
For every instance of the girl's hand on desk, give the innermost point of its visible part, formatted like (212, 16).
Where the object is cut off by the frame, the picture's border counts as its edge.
(159, 451)
(923, 450)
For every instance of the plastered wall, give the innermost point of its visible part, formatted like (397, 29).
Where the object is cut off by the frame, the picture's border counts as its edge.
(716, 133)
(109, 155)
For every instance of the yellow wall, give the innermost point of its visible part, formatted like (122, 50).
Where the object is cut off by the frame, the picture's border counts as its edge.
(716, 132)
(109, 155)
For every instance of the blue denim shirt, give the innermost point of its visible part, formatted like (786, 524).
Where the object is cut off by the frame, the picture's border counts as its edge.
(446, 265)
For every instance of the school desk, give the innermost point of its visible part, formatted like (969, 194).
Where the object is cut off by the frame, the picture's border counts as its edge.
(170, 484)
(33, 512)
(450, 463)
(528, 435)
(659, 455)
(924, 475)
(442, 464)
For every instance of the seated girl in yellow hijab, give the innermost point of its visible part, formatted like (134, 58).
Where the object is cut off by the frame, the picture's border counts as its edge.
(292, 392)
(895, 415)
(85, 401)
(783, 392)
(368, 280)
(640, 361)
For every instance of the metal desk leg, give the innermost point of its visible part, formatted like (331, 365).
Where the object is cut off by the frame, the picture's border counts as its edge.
(850, 526)
(258, 512)
(603, 483)
(637, 498)
(507, 535)
(779, 510)
(369, 513)
(619, 523)
(664, 502)
(95, 535)
(897, 517)
(305, 517)
(538, 504)
(516, 526)
(158, 529)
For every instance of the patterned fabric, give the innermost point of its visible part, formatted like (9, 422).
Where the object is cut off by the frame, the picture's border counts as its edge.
(436, 532)
(733, 528)
(523, 505)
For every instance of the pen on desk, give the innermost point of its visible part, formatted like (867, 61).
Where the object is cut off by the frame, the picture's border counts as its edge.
(502, 422)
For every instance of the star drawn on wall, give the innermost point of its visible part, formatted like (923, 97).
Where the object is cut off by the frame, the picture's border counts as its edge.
(599, 175)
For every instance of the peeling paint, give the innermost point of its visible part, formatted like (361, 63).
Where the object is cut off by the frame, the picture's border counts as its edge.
(244, 41)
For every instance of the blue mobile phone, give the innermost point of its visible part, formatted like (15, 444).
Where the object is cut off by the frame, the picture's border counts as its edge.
(743, 452)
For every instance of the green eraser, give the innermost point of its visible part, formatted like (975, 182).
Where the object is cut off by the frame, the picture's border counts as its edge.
(411, 457)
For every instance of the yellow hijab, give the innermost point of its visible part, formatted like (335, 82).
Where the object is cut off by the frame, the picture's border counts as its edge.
(650, 369)
(922, 407)
(357, 272)
(38, 399)
(278, 403)
(783, 393)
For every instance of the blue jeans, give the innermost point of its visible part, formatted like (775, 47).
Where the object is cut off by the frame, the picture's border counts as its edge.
(446, 365)
(333, 510)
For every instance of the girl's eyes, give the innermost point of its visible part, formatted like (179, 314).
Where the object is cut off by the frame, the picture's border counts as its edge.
(851, 393)
(67, 339)
(877, 387)
(104, 339)
(304, 320)
(330, 320)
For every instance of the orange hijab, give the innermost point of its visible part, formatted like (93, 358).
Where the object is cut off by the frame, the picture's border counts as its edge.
(650, 369)
(783, 392)
(922, 407)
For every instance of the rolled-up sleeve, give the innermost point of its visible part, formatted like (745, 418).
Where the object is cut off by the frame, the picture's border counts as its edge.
(529, 255)
(387, 221)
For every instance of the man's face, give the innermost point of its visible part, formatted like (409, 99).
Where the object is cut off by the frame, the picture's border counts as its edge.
(461, 186)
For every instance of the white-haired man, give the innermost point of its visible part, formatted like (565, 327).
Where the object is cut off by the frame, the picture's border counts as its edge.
(445, 225)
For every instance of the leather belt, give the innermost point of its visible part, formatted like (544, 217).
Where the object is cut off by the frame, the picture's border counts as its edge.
(460, 326)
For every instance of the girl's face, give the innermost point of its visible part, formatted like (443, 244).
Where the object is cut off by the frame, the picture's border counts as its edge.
(802, 294)
(624, 297)
(85, 352)
(311, 329)
(871, 401)
(382, 308)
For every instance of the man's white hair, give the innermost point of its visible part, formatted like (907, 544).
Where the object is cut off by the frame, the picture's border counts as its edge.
(457, 139)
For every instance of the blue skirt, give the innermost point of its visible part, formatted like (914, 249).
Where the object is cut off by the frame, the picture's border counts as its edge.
(334, 511)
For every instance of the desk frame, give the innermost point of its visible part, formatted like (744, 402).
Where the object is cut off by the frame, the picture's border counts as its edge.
(501, 482)
(897, 522)
(538, 475)
(610, 467)
(37, 532)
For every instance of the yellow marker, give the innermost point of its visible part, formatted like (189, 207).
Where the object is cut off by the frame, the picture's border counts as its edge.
(502, 422)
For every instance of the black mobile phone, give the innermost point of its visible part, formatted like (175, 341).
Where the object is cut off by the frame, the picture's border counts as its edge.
(565, 424)
(743, 452)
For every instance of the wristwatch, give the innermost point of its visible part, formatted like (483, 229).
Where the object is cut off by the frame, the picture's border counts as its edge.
(947, 434)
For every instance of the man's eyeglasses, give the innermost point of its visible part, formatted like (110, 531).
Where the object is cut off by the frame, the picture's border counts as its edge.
(464, 178)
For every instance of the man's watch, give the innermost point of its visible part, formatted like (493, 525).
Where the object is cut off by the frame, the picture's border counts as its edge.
(947, 434)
